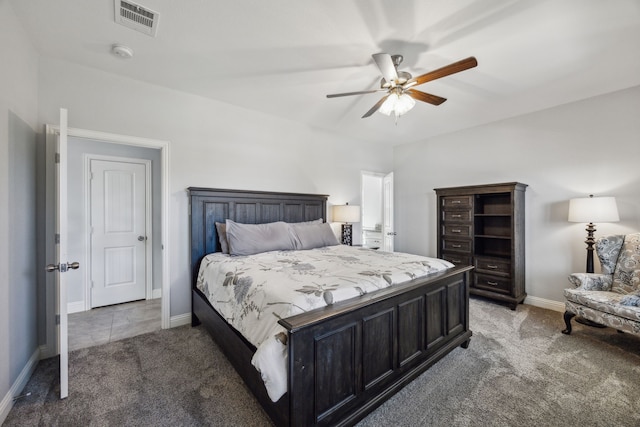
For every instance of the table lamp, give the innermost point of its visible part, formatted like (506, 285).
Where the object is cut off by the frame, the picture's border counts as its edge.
(346, 214)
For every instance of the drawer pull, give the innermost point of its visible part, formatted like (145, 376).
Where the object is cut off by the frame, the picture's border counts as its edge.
(456, 230)
(456, 261)
(456, 216)
(455, 202)
(492, 266)
(456, 246)
(489, 282)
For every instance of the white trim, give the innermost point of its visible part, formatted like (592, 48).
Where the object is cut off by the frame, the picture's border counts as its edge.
(180, 320)
(156, 293)
(163, 146)
(18, 385)
(75, 307)
(87, 158)
(545, 303)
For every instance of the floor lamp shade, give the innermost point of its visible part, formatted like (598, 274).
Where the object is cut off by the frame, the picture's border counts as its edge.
(346, 214)
(589, 210)
(593, 209)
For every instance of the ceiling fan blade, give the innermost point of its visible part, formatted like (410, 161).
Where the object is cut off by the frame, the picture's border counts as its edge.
(456, 67)
(425, 97)
(362, 92)
(375, 107)
(388, 70)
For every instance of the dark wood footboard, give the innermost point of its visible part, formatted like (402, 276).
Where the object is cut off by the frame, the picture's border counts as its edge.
(347, 359)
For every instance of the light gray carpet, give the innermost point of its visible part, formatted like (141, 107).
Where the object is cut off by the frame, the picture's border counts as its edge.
(518, 371)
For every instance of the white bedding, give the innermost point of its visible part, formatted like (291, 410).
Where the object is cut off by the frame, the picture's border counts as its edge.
(253, 292)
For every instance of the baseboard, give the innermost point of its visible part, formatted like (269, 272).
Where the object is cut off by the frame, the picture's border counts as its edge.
(157, 293)
(180, 320)
(47, 352)
(75, 307)
(18, 385)
(545, 303)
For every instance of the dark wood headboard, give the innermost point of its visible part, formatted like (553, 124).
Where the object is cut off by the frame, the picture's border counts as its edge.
(210, 205)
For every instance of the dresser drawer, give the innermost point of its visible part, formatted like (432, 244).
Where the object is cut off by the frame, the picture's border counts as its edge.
(456, 245)
(501, 267)
(457, 202)
(452, 216)
(457, 259)
(462, 230)
(492, 283)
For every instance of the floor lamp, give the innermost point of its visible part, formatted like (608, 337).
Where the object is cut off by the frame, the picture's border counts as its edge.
(589, 210)
(346, 214)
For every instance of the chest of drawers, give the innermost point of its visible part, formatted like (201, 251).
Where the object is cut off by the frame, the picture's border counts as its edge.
(483, 226)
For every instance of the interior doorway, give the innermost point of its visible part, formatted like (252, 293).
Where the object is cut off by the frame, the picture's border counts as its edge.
(377, 210)
(113, 145)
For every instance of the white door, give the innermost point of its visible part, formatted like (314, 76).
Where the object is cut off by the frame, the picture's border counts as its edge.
(61, 265)
(388, 232)
(118, 232)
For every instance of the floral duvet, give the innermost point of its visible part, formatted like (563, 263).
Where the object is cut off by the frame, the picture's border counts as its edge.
(253, 292)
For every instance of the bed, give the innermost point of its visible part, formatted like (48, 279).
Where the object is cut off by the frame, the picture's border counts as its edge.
(345, 359)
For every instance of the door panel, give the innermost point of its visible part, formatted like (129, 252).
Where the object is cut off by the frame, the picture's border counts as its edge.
(118, 232)
(388, 233)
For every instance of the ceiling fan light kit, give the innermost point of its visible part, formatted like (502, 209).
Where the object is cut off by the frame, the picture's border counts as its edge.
(398, 103)
(401, 97)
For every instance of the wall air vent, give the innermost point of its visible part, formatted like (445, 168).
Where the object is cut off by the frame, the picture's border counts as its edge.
(136, 17)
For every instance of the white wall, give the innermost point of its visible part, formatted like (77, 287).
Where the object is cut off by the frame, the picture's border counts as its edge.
(586, 147)
(211, 145)
(18, 175)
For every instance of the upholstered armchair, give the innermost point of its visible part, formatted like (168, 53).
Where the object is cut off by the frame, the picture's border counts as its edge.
(610, 298)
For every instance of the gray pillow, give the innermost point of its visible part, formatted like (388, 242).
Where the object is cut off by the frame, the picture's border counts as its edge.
(249, 239)
(221, 228)
(313, 235)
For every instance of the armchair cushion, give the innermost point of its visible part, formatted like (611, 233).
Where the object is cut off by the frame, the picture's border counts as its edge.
(626, 277)
(591, 281)
(603, 301)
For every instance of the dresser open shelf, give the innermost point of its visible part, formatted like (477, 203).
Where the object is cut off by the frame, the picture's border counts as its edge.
(483, 225)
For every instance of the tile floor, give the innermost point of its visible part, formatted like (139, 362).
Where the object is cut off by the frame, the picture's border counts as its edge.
(112, 323)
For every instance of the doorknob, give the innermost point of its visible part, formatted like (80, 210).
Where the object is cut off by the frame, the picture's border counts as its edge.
(141, 238)
(62, 267)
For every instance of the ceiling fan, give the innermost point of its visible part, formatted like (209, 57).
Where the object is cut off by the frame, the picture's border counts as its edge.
(399, 85)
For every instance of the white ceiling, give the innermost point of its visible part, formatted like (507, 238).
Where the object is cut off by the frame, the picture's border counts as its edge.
(282, 57)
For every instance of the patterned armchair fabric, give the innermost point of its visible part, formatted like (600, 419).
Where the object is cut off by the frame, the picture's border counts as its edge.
(609, 298)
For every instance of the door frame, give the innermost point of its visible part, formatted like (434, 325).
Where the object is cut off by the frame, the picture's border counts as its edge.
(49, 349)
(148, 222)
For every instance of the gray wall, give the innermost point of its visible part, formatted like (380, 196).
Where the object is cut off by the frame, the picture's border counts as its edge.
(18, 204)
(577, 149)
(77, 149)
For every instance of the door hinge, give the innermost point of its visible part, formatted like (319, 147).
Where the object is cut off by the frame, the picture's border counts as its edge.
(57, 158)
(57, 238)
(57, 319)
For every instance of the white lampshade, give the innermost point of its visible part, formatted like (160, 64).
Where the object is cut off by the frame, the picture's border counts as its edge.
(593, 209)
(346, 213)
(397, 103)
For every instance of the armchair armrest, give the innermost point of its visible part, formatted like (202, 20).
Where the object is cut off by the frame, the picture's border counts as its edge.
(591, 281)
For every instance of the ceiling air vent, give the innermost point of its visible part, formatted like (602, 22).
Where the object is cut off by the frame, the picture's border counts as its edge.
(136, 17)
